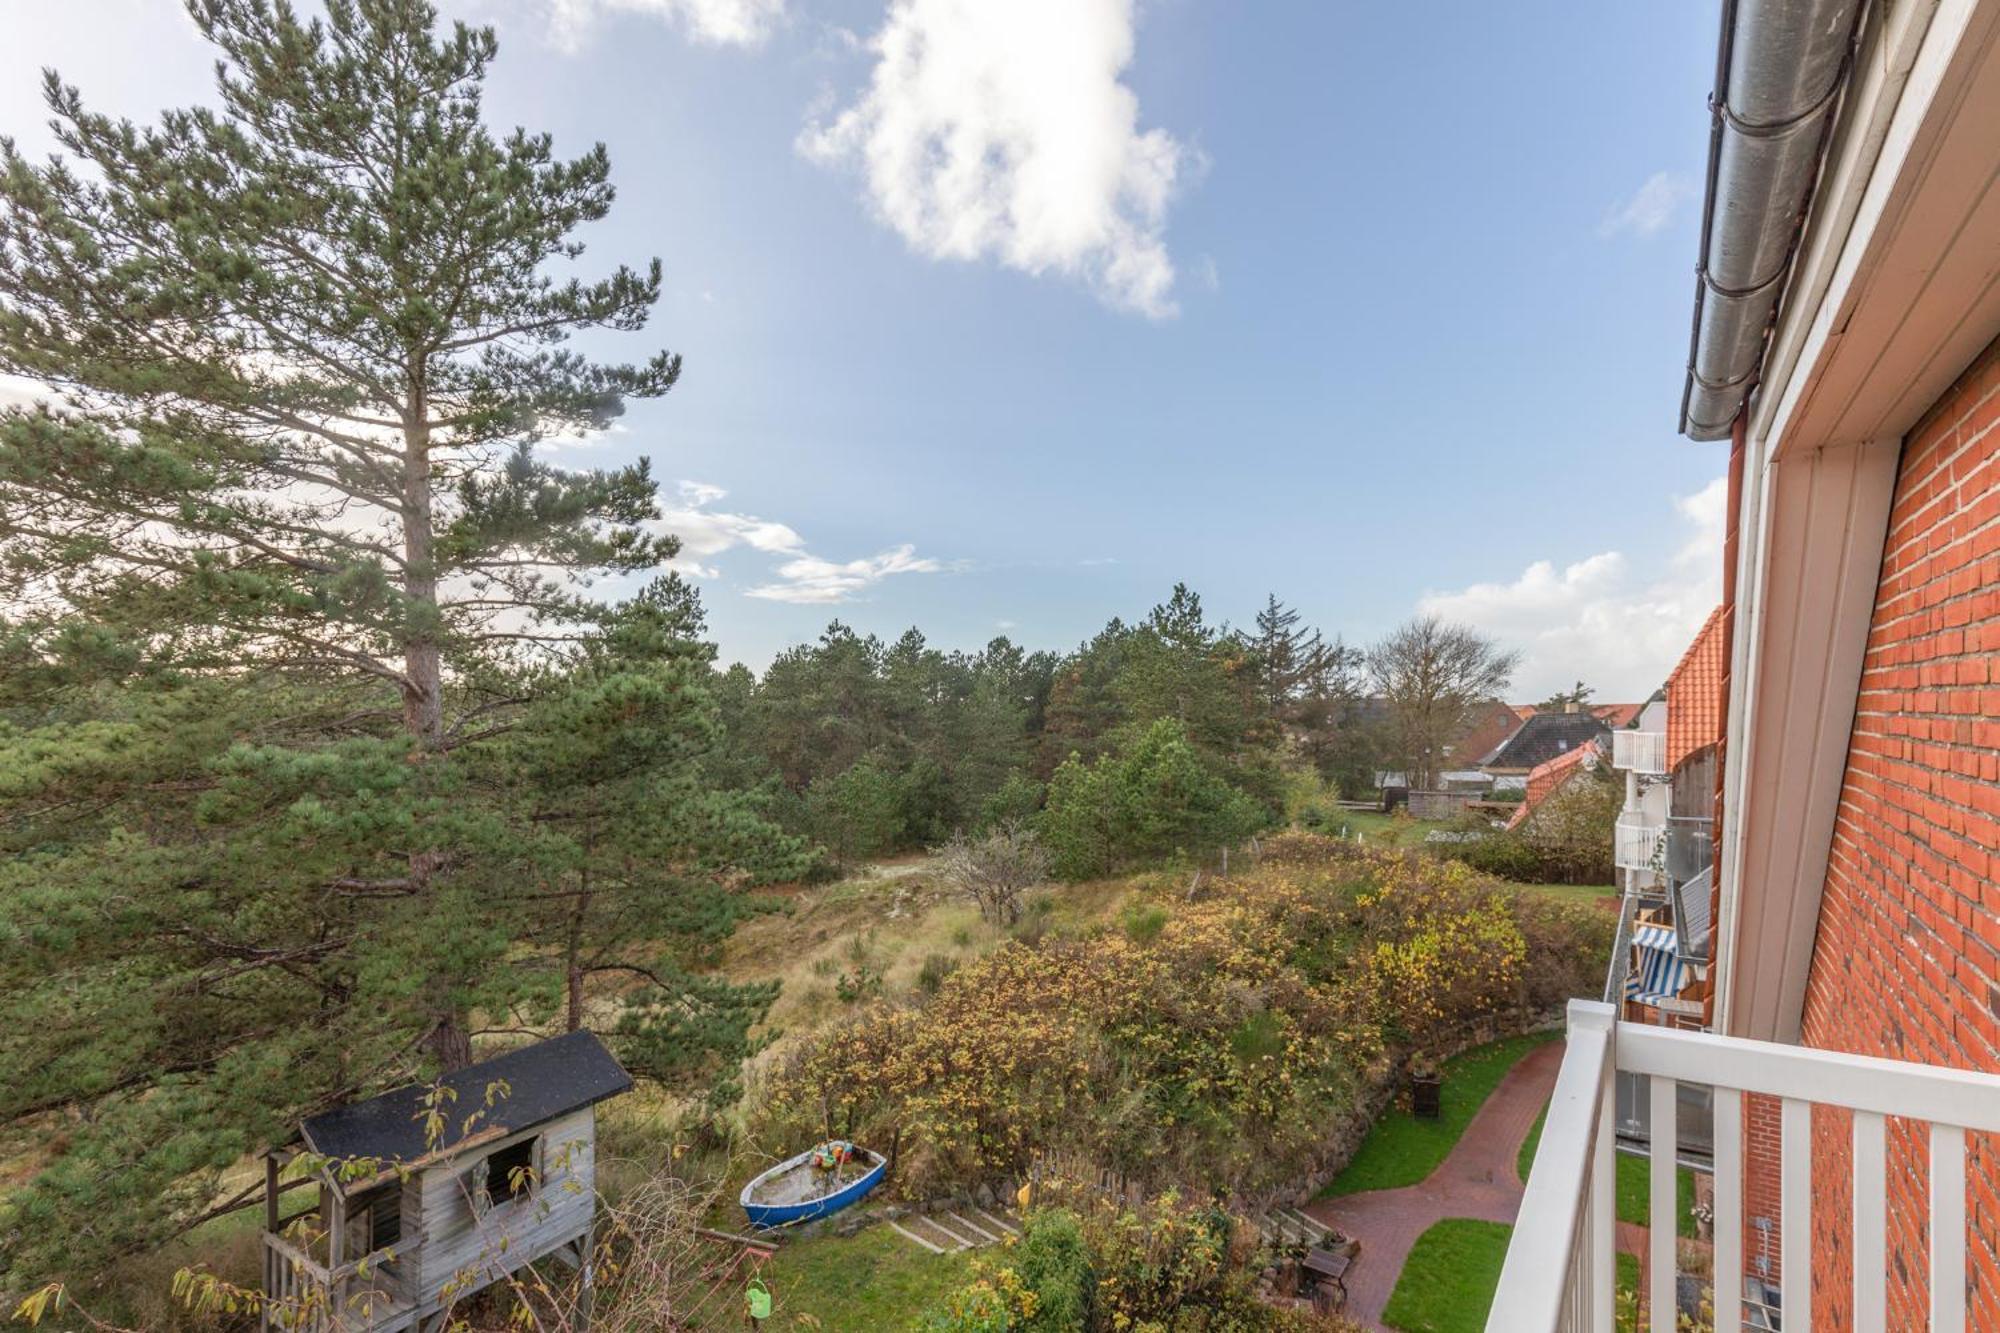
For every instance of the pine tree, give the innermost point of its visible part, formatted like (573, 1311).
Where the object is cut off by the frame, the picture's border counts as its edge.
(290, 605)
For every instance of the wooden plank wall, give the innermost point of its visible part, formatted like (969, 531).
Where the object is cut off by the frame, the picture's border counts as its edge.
(456, 1244)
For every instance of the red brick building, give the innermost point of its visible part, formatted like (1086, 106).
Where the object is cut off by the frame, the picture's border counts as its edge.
(1858, 897)
(1847, 345)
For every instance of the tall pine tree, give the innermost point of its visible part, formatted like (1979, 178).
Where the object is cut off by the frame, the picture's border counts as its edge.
(296, 621)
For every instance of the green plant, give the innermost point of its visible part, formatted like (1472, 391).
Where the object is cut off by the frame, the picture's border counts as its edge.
(936, 968)
(1018, 800)
(857, 813)
(1157, 797)
(1054, 1262)
(864, 983)
(1143, 922)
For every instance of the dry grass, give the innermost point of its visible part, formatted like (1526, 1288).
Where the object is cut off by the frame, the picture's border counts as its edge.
(886, 925)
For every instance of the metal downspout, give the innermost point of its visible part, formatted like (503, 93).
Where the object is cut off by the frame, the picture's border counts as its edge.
(1722, 933)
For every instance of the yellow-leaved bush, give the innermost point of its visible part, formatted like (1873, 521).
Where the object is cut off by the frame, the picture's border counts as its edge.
(1221, 1052)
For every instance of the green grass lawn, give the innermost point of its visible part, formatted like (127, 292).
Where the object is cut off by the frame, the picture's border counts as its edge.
(1635, 1184)
(873, 1279)
(1378, 830)
(1578, 893)
(1635, 1194)
(1448, 1281)
(1401, 1149)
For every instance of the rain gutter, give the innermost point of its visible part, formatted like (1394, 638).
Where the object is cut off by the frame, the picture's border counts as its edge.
(1780, 67)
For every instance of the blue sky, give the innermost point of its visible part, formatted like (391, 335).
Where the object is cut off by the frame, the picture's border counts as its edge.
(1381, 308)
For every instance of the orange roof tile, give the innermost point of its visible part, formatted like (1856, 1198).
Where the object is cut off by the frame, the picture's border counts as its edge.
(1617, 715)
(1547, 776)
(1694, 694)
(1523, 711)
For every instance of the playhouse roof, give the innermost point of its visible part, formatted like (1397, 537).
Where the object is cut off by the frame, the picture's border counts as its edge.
(531, 1085)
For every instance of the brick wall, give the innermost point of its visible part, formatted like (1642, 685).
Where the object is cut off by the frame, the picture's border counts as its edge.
(1907, 959)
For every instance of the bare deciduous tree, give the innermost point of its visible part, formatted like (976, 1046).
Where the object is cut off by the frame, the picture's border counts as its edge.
(1432, 674)
(994, 870)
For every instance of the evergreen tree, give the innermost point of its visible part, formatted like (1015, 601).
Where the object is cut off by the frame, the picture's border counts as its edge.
(1160, 797)
(288, 597)
(635, 856)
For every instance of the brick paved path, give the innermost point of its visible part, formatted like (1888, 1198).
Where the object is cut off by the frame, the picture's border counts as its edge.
(1477, 1180)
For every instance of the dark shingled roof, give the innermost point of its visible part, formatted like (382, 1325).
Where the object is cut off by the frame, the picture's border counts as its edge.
(546, 1080)
(1544, 736)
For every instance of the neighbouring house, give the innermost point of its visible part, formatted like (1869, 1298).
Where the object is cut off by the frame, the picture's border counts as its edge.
(1486, 729)
(426, 1194)
(1846, 342)
(1550, 776)
(1663, 847)
(1542, 737)
(1615, 716)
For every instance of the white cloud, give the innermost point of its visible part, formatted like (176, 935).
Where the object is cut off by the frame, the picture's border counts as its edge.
(801, 576)
(810, 579)
(1597, 620)
(712, 22)
(1003, 130)
(1650, 208)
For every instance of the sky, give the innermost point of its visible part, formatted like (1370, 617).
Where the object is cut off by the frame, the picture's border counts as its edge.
(1003, 318)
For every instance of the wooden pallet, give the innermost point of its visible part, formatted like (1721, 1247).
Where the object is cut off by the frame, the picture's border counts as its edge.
(1289, 1226)
(946, 1230)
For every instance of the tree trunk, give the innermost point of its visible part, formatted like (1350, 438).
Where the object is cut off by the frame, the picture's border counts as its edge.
(423, 692)
(573, 953)
(423, 670)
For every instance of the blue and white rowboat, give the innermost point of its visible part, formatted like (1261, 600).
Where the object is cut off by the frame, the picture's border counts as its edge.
(796, 1191)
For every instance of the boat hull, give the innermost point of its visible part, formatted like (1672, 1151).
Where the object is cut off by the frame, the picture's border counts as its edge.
(765, 1216)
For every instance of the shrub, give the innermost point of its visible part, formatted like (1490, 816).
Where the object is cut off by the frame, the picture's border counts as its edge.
(1566, 840)
(993, 871)
(1571, 830)
(1212, 1045)
(863, 983)
(1053, 1261)
(1088, 1263)
(1143, 922)
(1160, 796)
(1501, 853)
(938, 966)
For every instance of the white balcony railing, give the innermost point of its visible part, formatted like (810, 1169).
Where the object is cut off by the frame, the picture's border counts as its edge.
(1640, 751)
(1638, 842)
(1559, 1269)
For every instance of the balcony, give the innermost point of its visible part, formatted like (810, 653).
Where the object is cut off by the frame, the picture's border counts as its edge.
(1560, 1263)
(1641, 752)
(1690, 847)
(1638, 843)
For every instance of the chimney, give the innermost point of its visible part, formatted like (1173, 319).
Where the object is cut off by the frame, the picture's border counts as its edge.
(1570, 707)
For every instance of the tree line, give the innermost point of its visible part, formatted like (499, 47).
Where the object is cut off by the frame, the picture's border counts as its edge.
(870, 747)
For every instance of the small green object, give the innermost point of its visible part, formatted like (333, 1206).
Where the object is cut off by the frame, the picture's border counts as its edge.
(758, 1296)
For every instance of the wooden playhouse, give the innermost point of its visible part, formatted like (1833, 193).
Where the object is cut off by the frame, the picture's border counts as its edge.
(430, 1192)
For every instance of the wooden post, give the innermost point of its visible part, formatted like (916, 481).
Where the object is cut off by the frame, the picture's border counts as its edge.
(271, 1191)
